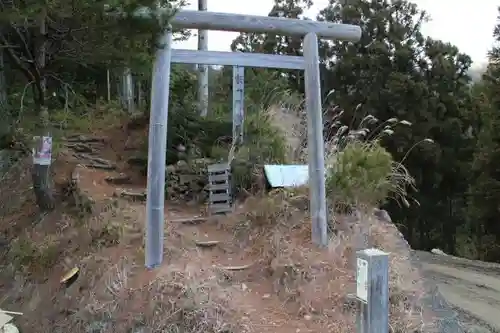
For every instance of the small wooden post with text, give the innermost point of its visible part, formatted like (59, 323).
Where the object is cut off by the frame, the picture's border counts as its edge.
(372, 291)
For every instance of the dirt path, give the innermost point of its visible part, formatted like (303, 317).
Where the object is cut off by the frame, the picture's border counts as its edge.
(472, 288)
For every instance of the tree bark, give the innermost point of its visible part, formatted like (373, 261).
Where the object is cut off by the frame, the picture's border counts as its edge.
(42, 180)
(5, 115)
(3, 83)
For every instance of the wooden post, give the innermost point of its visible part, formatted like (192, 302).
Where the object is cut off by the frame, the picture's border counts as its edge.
(196, 19)
(315, 142)
(372, 291)
(157, 151)
(127, 86)
(238, 103)
(202, 69)
(3, 83)
(108, 84)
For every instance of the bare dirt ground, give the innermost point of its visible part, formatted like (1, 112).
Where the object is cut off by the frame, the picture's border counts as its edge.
(471, 288)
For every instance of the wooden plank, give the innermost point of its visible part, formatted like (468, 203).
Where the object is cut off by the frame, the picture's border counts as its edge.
(189, 220)
(237, 59)
(213, 197)
(218, 178)
(219, 187)
(190, 19)
(316, 145)
(372, 291)
(220, 208)
(218, 167)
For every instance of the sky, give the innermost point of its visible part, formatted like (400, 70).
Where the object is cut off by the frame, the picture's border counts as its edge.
(459, 22)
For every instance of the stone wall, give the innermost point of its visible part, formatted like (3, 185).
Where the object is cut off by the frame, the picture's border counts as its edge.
(187, 181)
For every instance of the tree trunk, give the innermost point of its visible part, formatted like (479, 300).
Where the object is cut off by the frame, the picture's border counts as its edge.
(125, 87)
(450, 226)
(139, 94)
(108, 85)
(42, 152)
(42, 180)
(3, 84)
(128, 88)
(5, 113)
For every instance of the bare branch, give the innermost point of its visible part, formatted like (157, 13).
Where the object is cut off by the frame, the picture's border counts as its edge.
(16, 60)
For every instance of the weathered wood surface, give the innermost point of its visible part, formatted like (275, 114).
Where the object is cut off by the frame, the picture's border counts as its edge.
(191, 19)
(316, 147)
(373, 316)
(202, 69)
(237, 59)
(219, 188)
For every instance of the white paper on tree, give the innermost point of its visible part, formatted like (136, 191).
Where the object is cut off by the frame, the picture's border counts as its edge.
(42, 153)
(362, 280)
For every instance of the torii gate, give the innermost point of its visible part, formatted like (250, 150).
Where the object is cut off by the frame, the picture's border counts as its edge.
(187, 19)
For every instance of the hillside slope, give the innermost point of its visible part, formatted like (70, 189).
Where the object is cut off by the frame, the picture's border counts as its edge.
(252, 271)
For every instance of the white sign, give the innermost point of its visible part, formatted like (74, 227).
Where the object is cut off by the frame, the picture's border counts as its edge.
(362, 280)
(42, 153)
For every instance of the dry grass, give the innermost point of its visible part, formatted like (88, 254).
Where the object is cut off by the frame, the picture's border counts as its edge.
(16, 178)
(113, 292)
(360, 171)
(308, 286)
(290, 121)
(310, 281)
(179, 299)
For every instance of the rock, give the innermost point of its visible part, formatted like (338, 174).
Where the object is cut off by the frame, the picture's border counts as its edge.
(382, 215)
(439, 252)
(137, 120)
(187, 180)
(350, 303)
(9, 328)
(78, 197)
(478, 329)
(170, 170)
(98, 326)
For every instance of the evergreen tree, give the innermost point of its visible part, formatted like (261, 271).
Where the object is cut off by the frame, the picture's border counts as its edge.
(40, 38)
(394, 72)
(484, 200)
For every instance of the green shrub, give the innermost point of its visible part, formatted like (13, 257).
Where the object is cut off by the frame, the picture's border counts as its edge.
(361, 171)
(211, 137)
(264, 142)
